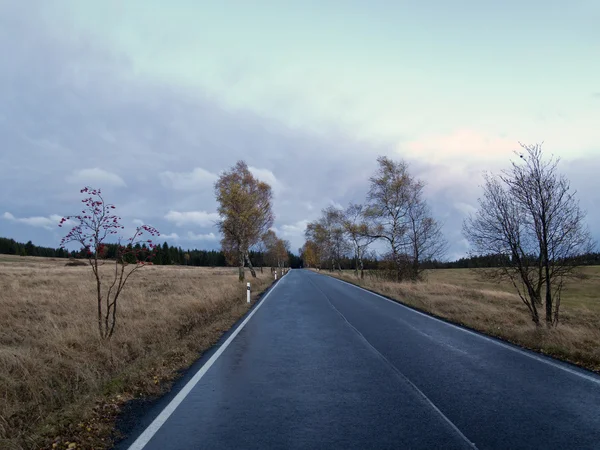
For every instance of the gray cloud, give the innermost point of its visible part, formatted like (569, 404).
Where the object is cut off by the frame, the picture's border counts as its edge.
(202, 218)
(196, 179)
(75, 113)
(48, 223)
(95, 176)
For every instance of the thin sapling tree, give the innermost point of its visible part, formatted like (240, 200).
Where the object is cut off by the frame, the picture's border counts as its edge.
(94, 227)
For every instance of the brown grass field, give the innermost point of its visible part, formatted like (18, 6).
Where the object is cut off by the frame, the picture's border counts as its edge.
(462, 296)
(59, 384)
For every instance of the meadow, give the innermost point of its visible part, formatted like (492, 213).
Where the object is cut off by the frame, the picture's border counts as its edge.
(63, 387)
(464, 297)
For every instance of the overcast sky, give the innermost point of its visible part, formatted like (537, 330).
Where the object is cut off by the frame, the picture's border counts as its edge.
(150, 100)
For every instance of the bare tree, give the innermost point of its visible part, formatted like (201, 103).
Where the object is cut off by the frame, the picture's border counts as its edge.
(359, 235)
(399, 215)
(424, 238)
(339, 244)
(530, 214)
(329, 235)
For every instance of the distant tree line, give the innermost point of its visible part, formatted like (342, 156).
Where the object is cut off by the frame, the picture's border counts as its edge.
(12, 247)
(164, 254)
(168, 255)
(374, 262)
(491, 261)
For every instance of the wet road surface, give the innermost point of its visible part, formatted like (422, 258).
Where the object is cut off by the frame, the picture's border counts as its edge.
(323, 364)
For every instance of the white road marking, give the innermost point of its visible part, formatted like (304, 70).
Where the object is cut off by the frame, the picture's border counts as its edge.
(149, 432)
(399, 373)
(530, 354)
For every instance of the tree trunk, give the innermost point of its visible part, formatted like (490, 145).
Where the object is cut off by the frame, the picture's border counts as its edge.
(415, 267)
(114, 319)
(397, 262)
(415, 271)
(250, 265)
(241, 266)
(549, 320)
(534, 312)
(544, 245)
(362, 270)
(398, 268)
(534, 315)
(99, 296)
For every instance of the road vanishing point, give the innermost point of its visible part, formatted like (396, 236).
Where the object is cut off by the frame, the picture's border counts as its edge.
(319, 363)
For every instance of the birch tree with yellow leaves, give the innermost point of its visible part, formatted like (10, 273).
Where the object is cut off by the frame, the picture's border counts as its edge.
(245, 212)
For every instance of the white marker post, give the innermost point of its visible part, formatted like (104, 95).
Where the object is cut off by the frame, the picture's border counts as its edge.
(248, 293)
(275, 273)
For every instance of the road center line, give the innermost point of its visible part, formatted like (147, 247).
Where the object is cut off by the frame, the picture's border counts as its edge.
(529, 354)
(397, 371)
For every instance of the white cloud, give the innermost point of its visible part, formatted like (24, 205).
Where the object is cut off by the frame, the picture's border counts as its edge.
(268, 177)
(201, 218)
(170, 237)
(335, 204)
(201, 237)
(97, 176)
(460, 146)
(296, 229)
(197, 178)
(465, 208)
(111, 119)
(138, 222)
(49, 223)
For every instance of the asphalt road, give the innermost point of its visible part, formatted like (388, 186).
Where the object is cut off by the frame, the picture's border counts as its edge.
(323, 364)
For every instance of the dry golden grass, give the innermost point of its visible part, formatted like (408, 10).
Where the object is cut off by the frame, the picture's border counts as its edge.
(584, 292)
(59, 383)
(461, 296)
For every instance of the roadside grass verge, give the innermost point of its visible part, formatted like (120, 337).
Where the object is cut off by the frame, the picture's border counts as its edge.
(462, 297)
(60, 385)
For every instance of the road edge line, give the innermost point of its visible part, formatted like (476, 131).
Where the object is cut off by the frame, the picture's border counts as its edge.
(145, 437)
(529, 353)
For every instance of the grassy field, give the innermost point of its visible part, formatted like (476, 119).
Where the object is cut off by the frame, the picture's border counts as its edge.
(583, 293)
(59, 384)
(462, 296)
